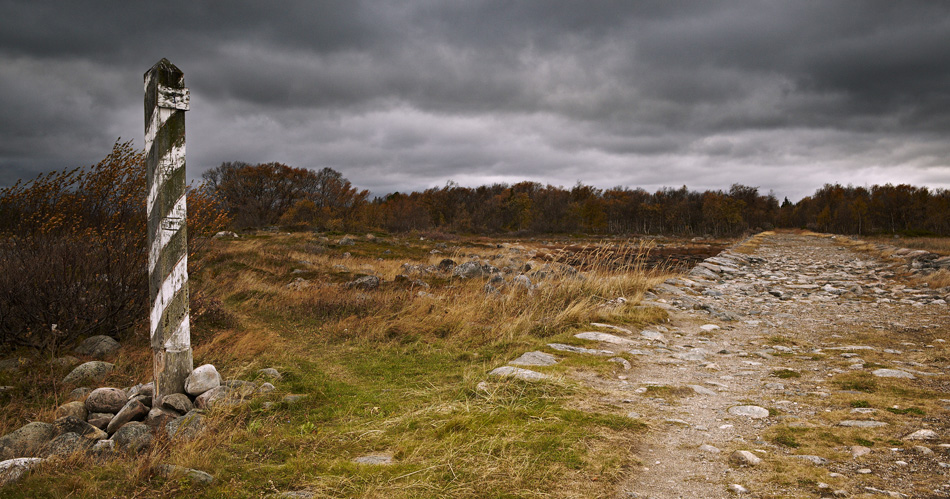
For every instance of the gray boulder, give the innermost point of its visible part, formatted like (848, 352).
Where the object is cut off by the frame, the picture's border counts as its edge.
(365, 283)
(79, 393)
(177, 402)
(187, 427)
(88, 373)
(202, 379)
(535, 359)
(98, 346)
(269, 373)
(67, 444)
(521, 281)
(70, 424)
(469, 270)
(133, 410)
(104, 448)
(133, 437)
(13, 470)
(26, 441)
(240, 389)
(157, 418)
(106, 400)
(266, 388)
(213, 397)
(75, 409)
(148, 389)
(100, 420)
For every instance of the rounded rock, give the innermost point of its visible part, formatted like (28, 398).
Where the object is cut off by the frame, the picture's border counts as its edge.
(98, 346)
(106, 400)
(745, 458)
(202, 379)
(26, 441)
(750, 411)
(75, 409)
(88, 373)
(133, 437)
(177, 402)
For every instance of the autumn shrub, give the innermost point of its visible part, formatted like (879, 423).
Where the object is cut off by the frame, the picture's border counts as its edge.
(73, 251)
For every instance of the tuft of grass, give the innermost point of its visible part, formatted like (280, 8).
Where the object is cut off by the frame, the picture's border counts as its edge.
(786, 373)
(859, 381)
(665, 391)
(909, 410)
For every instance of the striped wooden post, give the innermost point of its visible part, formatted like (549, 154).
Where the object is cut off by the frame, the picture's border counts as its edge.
(166, 100)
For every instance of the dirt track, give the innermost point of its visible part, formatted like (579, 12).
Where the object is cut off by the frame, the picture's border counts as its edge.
(804, 329)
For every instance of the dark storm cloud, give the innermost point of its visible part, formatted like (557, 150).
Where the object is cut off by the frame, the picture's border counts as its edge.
(407, 95)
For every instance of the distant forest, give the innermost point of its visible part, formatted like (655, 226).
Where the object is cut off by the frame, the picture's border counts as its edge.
(273, 194)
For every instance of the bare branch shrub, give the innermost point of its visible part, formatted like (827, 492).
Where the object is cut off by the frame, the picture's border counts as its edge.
(73, 251)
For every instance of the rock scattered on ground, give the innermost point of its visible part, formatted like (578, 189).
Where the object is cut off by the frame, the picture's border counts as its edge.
(88, 373)
(518, 373)
(535, 359)
(99, 346)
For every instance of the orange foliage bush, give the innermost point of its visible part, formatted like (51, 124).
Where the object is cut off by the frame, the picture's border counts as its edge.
(73, 251)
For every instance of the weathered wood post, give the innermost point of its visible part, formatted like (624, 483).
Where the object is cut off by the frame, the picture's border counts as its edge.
(166, 100)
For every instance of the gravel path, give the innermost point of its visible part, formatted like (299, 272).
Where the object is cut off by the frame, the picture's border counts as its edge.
(798, 369)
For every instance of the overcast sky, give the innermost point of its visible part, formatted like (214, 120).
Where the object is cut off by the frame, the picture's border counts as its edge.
(409, 94)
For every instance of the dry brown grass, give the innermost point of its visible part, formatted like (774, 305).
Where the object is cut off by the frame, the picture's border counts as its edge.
(750, 245)
(385, 370)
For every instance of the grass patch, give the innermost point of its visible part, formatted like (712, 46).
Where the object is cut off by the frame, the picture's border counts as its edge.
(916, 411)
(859, 381)
(786, 373)
(664, 391)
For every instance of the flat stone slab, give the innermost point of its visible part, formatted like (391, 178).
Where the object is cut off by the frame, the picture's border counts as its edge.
(535, 359)
(702, 390)
(816, 460)
(376, 459)
(695, 355)
(709, 327)
(892, 373)
(519, 373)
(573, 349)
(922, 435)
(604, 337)
(749, 411)
(653, 336)
(851, 423)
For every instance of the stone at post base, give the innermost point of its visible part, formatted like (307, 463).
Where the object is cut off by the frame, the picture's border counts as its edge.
(171, 369)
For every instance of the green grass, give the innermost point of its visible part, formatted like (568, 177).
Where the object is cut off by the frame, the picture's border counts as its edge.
(786, 373)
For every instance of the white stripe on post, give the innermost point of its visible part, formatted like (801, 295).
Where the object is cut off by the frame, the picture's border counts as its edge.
(166, 100)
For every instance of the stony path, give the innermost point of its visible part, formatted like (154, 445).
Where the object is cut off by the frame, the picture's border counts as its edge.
(801, 369)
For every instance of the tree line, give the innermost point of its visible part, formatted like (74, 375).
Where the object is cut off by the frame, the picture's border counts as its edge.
(273, 194)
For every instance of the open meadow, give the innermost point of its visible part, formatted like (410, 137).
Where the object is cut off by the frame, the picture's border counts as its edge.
(392, 367)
